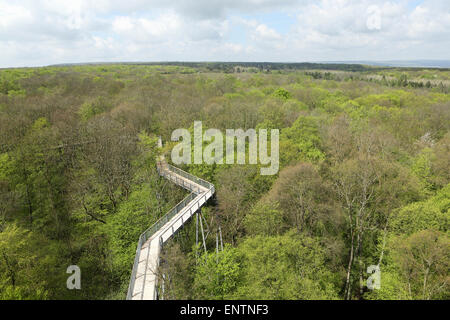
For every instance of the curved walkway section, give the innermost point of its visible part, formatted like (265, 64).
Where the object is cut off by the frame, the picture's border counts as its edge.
(143, 283)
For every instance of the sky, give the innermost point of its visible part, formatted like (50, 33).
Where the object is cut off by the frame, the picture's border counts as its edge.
(44, 32)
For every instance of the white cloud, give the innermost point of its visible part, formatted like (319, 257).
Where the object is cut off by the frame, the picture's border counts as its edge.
(267, 33)
(11, 15)
(144, 30)
(374, 18)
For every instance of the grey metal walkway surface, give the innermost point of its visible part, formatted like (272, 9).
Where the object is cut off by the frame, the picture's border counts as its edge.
(144, 276)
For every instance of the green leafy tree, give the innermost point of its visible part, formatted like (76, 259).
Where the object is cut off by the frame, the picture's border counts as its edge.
(217, 274)
(301, 142)
(284, 267)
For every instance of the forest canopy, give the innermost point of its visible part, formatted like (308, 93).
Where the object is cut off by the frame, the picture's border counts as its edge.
(364, 180)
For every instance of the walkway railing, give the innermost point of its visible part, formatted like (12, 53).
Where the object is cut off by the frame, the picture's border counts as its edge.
(165, 169)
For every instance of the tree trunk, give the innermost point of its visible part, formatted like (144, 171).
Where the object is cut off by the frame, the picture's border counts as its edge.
(30, 206)
(349, 270)
(360, 263)
(425, 278)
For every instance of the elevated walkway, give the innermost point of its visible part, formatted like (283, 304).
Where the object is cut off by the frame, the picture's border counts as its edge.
(144, 276)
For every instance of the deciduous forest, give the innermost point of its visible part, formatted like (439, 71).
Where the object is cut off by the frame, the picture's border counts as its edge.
(364, 180)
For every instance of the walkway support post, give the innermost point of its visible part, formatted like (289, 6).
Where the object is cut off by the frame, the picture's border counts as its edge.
(203, 233)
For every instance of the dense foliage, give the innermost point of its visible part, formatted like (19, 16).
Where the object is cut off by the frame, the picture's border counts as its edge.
(364, 180)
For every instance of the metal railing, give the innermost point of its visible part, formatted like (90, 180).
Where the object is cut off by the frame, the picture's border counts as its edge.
(166, 169)
(174, 174)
